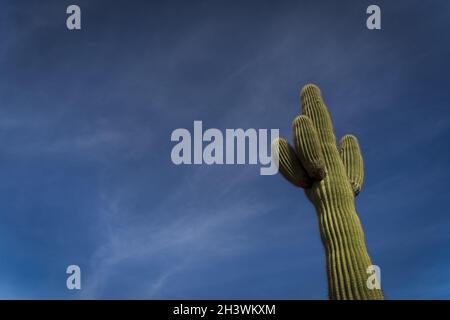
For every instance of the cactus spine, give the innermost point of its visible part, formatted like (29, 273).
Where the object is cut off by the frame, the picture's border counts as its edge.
(332, 179)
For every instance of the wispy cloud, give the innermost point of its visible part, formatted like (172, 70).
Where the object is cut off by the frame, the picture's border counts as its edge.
(187, 235)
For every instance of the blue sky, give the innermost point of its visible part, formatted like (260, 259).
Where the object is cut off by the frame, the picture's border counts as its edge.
(85, 121)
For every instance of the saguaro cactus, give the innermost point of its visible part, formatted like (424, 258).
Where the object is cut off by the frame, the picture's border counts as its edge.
(332, 179)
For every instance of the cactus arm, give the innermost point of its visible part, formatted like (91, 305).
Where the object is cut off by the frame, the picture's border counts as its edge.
(307, 146)
(289, 165)
(353, 162)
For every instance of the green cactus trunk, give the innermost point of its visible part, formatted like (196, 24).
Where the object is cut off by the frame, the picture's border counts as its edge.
(331, 179)
(343, 238)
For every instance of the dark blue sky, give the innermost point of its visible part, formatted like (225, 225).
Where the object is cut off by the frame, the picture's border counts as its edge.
(85, 121)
